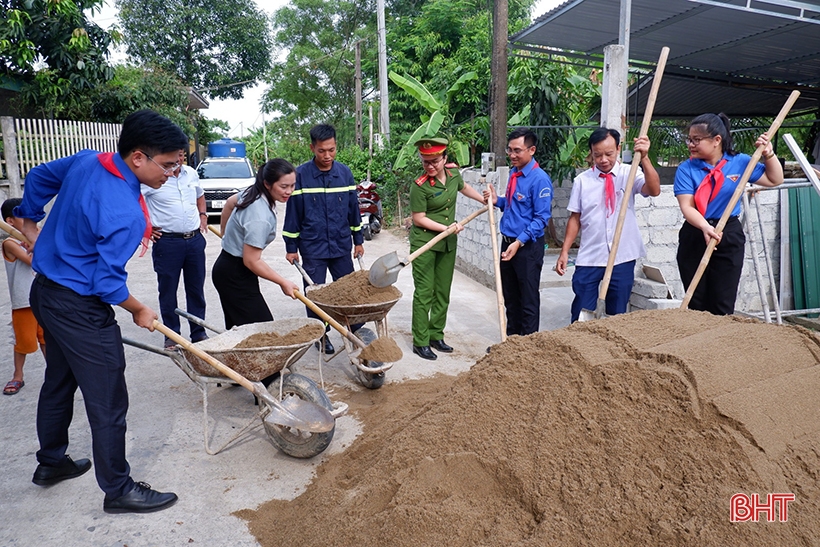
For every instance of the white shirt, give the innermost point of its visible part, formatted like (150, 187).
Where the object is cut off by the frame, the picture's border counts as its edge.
(598, 230)
(173, 206)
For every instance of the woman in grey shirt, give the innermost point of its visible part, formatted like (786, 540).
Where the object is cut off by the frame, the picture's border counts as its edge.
(250, 228)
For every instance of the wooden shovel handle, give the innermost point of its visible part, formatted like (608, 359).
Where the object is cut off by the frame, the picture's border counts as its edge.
(449, 231)
(14, 232)
(633, 171)
(330, 321)
(215, 230)
(218, 365)
(739, 189)
(499, 293)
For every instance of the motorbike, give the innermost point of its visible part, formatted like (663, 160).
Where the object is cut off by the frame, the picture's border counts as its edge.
(370, 207)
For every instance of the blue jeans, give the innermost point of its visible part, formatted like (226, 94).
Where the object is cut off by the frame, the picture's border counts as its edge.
(585, 284)
(172, 257)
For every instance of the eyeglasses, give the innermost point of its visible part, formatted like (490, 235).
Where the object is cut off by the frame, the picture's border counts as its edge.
(517, 151)
(165, 170)
(694, 141)
(432, 162)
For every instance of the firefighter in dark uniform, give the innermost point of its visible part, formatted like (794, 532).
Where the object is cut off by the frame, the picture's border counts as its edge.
(433, 206)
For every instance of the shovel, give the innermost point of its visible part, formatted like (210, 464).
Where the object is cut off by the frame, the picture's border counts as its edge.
(739, 189)
(358, 342)
(14, 232)
(290, 412)
(600, 307)
(385, 271)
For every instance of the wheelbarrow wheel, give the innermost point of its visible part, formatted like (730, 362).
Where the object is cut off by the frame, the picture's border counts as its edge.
(294, 442)
(370, 381)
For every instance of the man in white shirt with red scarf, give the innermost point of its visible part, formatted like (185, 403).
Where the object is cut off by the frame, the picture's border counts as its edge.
(594, 204)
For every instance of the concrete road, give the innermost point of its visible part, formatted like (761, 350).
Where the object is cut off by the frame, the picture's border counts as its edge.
(165, 419)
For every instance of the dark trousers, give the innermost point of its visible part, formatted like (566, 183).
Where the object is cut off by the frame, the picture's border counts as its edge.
(84, 350)
(520, 283)
(317, 269)
(238, 288)
(586, 283)
(171, 257)
(717, 290)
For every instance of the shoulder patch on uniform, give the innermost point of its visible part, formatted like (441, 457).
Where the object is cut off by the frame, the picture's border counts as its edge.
(733, 178)
(421, 180)
(545, 192)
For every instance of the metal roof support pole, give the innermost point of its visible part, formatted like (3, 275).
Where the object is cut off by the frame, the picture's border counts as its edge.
(613, 91)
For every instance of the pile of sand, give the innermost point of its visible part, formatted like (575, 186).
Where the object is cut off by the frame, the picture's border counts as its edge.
(634, 430)
(354, 289)
(274, 340)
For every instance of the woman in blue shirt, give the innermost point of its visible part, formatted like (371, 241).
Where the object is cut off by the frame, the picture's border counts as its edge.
(249, 230)
(704, 185)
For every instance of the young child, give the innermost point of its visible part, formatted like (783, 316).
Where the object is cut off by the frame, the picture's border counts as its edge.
(27, 333)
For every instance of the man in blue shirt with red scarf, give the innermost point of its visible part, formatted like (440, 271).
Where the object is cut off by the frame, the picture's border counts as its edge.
(527, 207)
(97, 222)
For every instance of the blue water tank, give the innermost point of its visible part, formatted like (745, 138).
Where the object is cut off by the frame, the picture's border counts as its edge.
(226, 148)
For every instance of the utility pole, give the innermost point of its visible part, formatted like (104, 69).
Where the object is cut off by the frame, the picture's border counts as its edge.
(498, 87)
(384, 110)
(358, 78)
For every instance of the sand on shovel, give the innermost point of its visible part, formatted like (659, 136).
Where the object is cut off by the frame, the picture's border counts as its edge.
(383, 350)
(272, 339)
(632, 430)
(354, 289)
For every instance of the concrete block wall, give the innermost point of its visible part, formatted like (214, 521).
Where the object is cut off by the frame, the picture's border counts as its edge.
(659, 219)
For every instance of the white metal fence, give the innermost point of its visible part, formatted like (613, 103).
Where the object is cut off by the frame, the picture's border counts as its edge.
(29, 142)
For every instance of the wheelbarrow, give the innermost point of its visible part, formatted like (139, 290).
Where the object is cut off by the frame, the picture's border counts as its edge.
(368, 373)
(285, 403)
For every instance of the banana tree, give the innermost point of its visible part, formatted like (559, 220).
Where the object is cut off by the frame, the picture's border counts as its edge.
(438, 122)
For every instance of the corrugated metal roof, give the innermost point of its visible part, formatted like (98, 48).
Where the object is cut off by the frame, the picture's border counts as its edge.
(725, 55)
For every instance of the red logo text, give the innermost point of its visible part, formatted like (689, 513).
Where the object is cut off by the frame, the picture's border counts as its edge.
(745, 508)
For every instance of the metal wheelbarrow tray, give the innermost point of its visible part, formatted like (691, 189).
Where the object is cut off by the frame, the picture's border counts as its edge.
(253, 363)
(369, 374)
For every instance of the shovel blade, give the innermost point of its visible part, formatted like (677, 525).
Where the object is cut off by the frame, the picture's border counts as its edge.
(589, 315)
(297, 413)
(385, 271)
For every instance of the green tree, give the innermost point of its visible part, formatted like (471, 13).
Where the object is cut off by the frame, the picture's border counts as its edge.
(56, 53)
(133, 88)
(220, 48)
(315, 82)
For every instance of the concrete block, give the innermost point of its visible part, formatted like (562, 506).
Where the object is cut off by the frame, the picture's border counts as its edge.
(666, 216)
(649, 289)
(662, 236)
(663, 304)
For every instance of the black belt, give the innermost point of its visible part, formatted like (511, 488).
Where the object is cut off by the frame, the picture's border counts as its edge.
(181, 235)
(46, 282)
(714, 221)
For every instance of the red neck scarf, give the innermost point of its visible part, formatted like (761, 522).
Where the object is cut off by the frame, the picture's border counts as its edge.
(609, 192)
(107, 161)
(513, 182)
(709, 187)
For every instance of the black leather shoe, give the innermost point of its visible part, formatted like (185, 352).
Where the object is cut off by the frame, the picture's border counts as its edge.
(141, 499)
(425, 352)
(441, 346)
(325, 346)
(46, 475)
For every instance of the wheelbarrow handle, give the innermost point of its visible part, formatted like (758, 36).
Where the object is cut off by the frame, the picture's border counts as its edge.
(194, 319)
(332, 322)
(302, 271)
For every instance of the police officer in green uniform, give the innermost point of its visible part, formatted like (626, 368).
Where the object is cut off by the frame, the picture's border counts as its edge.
(433, 205)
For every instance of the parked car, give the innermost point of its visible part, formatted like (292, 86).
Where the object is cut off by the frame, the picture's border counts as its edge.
(221, 178)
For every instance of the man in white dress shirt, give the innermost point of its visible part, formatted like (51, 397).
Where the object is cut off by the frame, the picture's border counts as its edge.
(594, 204)
(178, 217)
